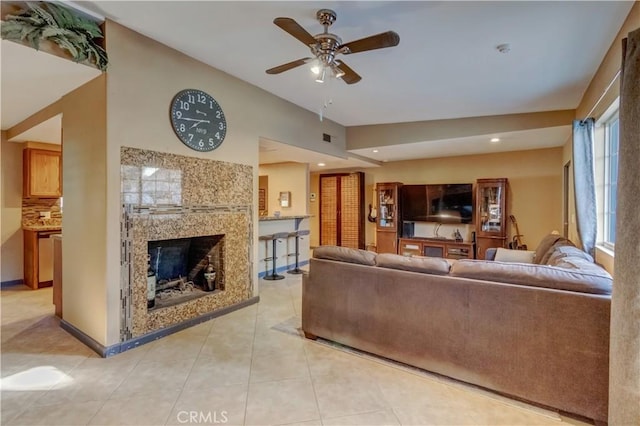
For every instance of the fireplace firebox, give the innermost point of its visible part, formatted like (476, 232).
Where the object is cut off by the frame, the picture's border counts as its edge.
(186, 268)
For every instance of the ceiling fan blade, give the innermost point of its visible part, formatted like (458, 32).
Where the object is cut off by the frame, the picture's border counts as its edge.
(378, 41)
(288, 66)
(293, 28)
(350, 76)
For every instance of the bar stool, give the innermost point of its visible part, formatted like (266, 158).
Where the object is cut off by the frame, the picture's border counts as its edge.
(298, 235)
(274, 238)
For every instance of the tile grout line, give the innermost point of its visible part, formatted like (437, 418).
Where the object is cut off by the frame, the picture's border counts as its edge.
(253, 342)
(188, 374)
(306, 360)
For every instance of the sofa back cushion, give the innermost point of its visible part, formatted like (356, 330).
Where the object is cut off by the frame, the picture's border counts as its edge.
(427, 265)
(345, 254)
(576, 276)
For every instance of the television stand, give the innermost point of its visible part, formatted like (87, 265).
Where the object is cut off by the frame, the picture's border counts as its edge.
(436, 247)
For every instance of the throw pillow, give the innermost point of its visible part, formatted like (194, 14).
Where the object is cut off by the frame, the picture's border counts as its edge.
(519, 256)
(560, 243)
(562, 252)
(545, 245)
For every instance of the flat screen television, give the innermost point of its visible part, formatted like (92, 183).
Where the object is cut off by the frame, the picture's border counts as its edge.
(445, 203)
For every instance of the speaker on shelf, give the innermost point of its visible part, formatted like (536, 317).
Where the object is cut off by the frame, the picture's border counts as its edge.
(408, 229)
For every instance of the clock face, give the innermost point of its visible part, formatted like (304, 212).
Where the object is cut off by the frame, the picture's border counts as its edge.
(198, 120)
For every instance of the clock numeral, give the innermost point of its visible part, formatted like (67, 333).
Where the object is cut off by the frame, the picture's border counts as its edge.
(211, 142)
(221, 126)
(178, 114)
(217, 135)
(201, 144)
(184, 105)
(190, 137)
(202, 99)
(191, 99)
(182, 128)
(218, 114)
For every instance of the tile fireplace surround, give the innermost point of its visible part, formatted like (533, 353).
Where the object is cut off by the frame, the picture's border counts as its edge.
(168, 196)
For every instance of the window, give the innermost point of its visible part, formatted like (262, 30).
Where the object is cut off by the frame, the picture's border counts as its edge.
(611, 138)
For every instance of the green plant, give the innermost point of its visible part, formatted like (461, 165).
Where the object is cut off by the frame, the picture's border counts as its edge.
(50, 21)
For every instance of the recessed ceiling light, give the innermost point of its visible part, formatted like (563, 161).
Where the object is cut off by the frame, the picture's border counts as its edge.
(495, 140)
(321, 164)
(375, 150)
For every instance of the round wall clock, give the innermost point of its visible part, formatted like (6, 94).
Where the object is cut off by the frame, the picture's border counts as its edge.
(198, 120)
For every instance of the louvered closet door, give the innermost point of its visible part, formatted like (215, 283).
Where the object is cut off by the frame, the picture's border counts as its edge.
(328, 210)
(342, 210)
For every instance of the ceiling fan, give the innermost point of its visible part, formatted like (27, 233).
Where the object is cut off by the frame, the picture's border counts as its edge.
(326, 46)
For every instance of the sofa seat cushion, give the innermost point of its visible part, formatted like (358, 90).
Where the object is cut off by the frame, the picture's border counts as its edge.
(576, 277)
(345, 254)
(427, 265)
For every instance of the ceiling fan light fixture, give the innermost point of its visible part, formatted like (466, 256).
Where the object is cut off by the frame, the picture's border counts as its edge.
(321, 76)
(315, 66)
(337, 72)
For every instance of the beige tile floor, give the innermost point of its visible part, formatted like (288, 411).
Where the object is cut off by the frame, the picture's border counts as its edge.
(248, 367)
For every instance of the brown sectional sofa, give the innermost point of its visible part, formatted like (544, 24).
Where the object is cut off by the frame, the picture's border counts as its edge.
(538, 332)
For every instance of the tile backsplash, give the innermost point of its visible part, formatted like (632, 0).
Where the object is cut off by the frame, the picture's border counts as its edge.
(31, 208)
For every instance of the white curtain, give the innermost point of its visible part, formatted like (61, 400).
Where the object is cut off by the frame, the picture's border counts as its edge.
(584, 183)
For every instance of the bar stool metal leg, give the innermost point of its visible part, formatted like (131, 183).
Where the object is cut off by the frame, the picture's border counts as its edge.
(297, 269)
(273, 275)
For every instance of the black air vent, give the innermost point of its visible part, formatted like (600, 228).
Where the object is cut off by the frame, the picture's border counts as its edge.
(326, 137)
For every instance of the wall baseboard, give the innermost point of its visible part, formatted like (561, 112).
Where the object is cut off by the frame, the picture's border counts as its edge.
(11, 283)
(107, 351)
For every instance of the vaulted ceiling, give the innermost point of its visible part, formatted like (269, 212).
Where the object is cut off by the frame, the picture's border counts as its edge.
(446, 65)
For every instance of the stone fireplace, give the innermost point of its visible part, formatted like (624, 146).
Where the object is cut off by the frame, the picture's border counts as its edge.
(184, 212)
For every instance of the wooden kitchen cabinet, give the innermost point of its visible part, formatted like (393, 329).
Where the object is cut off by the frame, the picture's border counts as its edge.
(42, 173)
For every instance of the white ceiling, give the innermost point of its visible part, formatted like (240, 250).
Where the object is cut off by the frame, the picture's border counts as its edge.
(480, 144)
(49, 131)
(276, 152)
(446, 65)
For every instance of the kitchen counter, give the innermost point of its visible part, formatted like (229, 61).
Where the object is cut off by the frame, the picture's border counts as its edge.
(267, 218)
(38, 228)
(286, 247)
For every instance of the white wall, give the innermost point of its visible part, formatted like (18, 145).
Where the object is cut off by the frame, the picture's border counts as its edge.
(287, 177)
(143, 77)
(11, 253)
